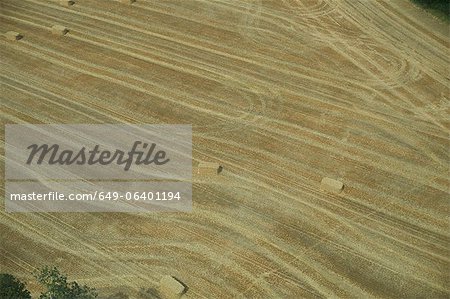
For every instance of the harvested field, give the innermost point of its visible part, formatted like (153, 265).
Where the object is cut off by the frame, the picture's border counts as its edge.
(281, 94)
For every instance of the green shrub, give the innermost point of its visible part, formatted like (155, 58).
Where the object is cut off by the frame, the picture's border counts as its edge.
(58, 287)
(12, 288)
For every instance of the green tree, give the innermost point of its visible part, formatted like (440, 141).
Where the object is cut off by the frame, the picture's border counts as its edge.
(439, 7)
(59, 288)
(12, 288)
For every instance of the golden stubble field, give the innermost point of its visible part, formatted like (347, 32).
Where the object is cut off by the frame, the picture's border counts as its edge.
(282, 93)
